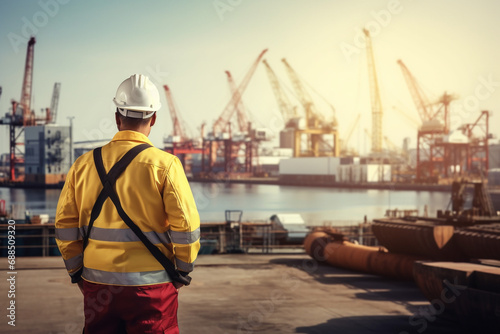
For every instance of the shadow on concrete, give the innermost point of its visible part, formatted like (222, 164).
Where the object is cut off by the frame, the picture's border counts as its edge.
(327, 274)
(391, 324)
(375, 288)
(405, 293)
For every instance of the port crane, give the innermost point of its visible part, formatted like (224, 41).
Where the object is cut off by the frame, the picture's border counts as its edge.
(433, 115)
(313, 118)
(377, 111)
(242, 118)
(433, 155)
(178, 132)
(478, 150)
(221, 142)
(316, 127)
(222, 124)
(441, 153)
(21, 114)
(179, 143)
(247, 143)
(288, 111)
(25, 102)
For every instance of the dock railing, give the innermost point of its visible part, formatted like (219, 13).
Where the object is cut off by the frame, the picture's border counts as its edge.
(30, 240)
(252, 237)
(216, 237)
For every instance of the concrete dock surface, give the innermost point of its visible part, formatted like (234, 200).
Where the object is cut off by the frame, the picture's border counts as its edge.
(243, 293)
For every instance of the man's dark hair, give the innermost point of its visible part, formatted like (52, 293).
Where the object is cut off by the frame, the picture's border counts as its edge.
(130, 122)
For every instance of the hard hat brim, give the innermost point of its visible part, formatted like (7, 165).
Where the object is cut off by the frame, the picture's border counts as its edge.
(135, 113)
(135, 108)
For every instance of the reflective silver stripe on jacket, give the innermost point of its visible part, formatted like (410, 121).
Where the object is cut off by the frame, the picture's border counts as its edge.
(74, 263)
(123, 278)
(68, 234)
(185, 238)
(184, 266)
(125, 235)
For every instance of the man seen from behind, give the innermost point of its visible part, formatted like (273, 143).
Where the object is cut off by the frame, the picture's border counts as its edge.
(127, 224)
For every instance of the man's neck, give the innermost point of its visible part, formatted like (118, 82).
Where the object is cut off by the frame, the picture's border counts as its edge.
(143, 130)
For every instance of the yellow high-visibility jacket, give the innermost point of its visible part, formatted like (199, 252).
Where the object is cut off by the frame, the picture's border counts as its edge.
(155, 194)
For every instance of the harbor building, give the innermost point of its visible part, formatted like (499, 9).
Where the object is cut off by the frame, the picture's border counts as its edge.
(47, 156)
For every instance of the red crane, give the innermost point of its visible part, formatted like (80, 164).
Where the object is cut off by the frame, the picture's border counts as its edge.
(222, 123)
(179, 143)
(433, 155)
(25, 102)
(437, 111)
(178, 130)
(24, 106)
(22, 115)
(242, 116)
(419, 98)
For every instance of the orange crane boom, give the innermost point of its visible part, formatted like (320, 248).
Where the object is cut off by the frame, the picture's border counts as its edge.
(221, 124)
(419, 98)
(435, 111)
(25, 101)
(242, 117)
(178, 130)
(22, 115)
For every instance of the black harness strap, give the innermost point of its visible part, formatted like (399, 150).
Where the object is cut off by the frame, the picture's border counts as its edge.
(108, 180)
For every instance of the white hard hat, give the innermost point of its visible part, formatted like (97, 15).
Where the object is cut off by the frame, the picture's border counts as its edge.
(137, 97)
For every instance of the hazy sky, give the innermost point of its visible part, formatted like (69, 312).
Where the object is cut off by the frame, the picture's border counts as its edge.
(91, 46)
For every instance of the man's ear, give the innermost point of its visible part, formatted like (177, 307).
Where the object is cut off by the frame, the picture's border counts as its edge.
(118, 121)
(153, 120)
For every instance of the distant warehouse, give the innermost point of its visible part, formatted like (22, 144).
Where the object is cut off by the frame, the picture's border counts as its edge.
(329, 170)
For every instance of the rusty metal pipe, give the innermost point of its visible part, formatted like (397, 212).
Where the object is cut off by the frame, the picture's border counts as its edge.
(374, 260)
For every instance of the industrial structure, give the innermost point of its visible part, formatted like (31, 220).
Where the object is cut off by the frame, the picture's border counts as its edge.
(343, 165)
(230, 147)
(444, 153)
(315, 130)
(47, 153)
(310, 128)
(179, 143)
(288, 111)
(458, 249)
(310, 148)
(22, 117)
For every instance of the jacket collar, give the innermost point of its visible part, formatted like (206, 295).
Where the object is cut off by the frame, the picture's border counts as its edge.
(129, 135)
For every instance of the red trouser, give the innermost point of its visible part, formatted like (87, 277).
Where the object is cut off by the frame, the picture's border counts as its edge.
(130, 309)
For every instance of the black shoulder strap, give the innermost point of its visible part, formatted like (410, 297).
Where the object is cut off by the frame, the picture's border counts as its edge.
(108, 180)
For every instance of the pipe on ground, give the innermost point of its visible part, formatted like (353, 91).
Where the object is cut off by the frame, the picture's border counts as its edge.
(326, 246)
